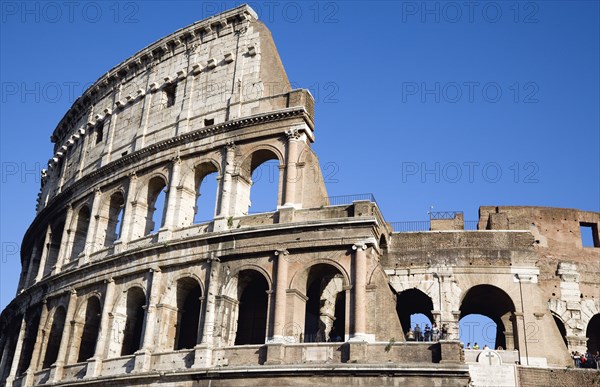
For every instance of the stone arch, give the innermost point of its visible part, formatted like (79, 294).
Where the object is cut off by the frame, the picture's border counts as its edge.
(155, 189)
(257, 157)
(111, 217)
(325, 317)
(496, 304)
(80, 226)
(188, 297)
(128, 321)
(32, 318)
(55, 325)
(88, 326)
(592, 333)
(561, 327)
(299, 278)
(10, 332)
(54, 246)
(413, 301)
(202, 171)
(251, 306)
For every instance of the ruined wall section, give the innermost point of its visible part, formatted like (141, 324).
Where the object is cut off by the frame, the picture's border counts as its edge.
(569, 272)
(213, 71)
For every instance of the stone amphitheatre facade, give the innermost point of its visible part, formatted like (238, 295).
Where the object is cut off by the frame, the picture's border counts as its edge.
(318, 292)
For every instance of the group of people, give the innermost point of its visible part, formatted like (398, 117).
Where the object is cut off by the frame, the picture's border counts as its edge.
(586, 360)
(432, 333)
(476, 346)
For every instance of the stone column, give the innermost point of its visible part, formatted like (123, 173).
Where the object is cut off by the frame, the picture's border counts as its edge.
(171, 215)
(17, 356)
(90, 239)
(5, 350)
(360, 291)
(291, 172)
(227, 184)
(64, 241)
(143, 356)
(280, 296)
(203, 351)
(130, 204)
(64, 340)
(45, 251)
(95, 364)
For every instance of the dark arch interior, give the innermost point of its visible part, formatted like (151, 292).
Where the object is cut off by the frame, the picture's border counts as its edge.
(56, 231)
(32, 319)
(412, 301)
(561, 328)
(252, 316)
(54, 338)
(115, 216)
(593, 334)
(132, 335)
(91, 326)
(492, 302)
(11, 334)
(188, 313)
(81, 230)
(319, 276)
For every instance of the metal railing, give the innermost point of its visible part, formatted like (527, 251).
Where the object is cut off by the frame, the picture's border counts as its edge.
(419, 225)
(348, 199)
(424, 225)
(444, 215)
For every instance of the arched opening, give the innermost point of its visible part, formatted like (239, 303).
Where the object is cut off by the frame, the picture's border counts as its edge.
(561, 328)
(11, 334)
(91, 327)
(325, 313)
(205, 181)
(35, 255)
(81, 230)
(32, 318)
(55, 336)
(252, 313)
(188, 313)
(56, 232)
(477, 330)
(156, 200)
(134, 323)
(116, 208)
(493, 303)
(414, 311)
(260, 174)
(593, 334)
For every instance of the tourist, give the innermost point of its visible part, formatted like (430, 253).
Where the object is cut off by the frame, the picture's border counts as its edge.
(468, 346)
(444, 331)
(475, 346)
(499, 348)
(486, 347)
(410, 336)
(576, 358)
(435, 332)
(427, 332)
(418, 332)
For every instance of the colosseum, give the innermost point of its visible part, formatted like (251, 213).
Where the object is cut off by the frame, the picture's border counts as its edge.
(120, 288)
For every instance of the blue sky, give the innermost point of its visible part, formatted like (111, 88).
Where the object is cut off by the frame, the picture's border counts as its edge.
(445, 104)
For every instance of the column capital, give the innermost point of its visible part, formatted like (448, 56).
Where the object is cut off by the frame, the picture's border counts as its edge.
(176, 159)
(293, 134)
(97, 191)
(283, 252)
(359, 245)
(230, 146)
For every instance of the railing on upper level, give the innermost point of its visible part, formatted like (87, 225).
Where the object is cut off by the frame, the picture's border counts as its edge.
(444, 215)
(348, 199)
(424, 225)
